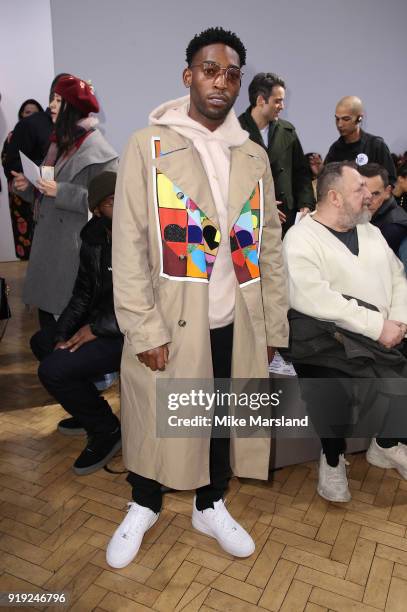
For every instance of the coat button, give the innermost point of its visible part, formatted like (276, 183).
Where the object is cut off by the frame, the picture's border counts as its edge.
(282, 193)
(182, 323)
(180, 195)
(281, 169)
(182, 257)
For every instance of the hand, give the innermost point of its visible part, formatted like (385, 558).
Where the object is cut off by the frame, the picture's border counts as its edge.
(392, 333)
(20, 182)
(156, 358)
(402, 326)
(304, 211)
(271, 351)
(48, 188)
(60, 345)
(281, 215)
(83, 335)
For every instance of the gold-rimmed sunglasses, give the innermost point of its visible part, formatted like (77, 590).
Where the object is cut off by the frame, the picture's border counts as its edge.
(211, 70)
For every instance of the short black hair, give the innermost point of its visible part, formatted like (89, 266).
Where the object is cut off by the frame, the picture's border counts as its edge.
(262, 85)
(212, 36)
(329, 176)
(372, 169)
(402, 170)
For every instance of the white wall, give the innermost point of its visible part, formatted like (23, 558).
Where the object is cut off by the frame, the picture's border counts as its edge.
(26, 71)
(134, 52)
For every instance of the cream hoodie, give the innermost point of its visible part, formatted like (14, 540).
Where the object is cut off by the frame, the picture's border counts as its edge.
(214, 150)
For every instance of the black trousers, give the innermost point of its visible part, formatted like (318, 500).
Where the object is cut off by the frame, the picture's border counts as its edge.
(147, 492)
(67, 377)
(330, 410)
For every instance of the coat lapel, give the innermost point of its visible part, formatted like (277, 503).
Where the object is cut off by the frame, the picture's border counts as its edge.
(184, 168)
(246, 170)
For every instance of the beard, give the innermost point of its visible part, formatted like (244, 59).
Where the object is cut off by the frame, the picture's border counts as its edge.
(349, 218)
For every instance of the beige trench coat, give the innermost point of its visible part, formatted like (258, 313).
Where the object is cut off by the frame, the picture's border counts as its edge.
(153, 309)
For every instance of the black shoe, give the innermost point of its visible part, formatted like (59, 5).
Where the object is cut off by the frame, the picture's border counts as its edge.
(71, 427)
(99, 450)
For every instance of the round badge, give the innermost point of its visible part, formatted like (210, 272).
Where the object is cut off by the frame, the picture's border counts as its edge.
(361, 159)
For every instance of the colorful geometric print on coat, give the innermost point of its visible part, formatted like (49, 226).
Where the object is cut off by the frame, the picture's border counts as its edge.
(245, 238)
(190, 240)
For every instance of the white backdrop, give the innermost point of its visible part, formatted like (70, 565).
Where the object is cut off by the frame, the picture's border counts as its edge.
(134, 53)
(26, 71)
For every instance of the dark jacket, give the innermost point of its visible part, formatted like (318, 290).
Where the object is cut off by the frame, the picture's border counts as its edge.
(323, 344)
(391, 220)
(292, 181)
(31, 136)
(373, 147)
(92, 298)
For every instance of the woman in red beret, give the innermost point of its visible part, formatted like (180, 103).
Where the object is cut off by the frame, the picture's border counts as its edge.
(77, 153)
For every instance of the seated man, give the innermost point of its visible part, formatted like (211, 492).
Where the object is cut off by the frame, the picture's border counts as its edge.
(347, 290)
(87, 342)
(387, 215)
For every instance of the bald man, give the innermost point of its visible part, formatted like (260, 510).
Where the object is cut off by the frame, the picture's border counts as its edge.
(354, 144)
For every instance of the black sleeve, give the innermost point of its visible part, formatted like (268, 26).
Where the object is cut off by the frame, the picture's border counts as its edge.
(385, 159)
(77, 310)
(23, 140)
(302, 185)
(103, 321)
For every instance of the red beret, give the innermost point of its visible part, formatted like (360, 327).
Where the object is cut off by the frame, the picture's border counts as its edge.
(78, 93)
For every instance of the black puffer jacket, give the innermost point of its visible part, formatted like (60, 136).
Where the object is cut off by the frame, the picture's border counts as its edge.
(92, 298)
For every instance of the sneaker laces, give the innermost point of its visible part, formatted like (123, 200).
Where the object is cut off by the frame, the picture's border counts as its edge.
(134, 525)
(222, 518)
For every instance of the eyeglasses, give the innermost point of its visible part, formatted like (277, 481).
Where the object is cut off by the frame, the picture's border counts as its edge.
(212, 70)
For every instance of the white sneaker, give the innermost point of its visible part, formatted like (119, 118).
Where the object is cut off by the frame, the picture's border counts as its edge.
(127, 538)
(393, 457)
(333, 483)
(217, 523)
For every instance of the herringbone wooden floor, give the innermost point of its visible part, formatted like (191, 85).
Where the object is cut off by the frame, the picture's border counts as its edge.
(54, 526)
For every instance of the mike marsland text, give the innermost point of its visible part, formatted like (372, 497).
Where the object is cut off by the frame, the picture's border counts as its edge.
(253, 420)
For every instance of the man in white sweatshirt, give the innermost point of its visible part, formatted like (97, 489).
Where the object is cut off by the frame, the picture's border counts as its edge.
(341, 271)
(199, 289)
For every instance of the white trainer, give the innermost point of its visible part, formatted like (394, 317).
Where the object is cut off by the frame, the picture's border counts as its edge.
(127, 538)
(393, 457)
(218, 523)
(333, 483)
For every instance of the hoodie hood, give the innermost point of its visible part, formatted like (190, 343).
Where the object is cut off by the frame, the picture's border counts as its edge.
(174, 114)
(214, 149)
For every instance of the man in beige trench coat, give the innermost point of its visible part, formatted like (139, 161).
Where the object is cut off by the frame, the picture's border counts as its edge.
(199, 288)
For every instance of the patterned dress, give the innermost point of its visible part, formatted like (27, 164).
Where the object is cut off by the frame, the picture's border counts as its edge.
(21, 213)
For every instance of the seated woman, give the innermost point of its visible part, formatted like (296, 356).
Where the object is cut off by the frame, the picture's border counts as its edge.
(86, 342)
(77, 153)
